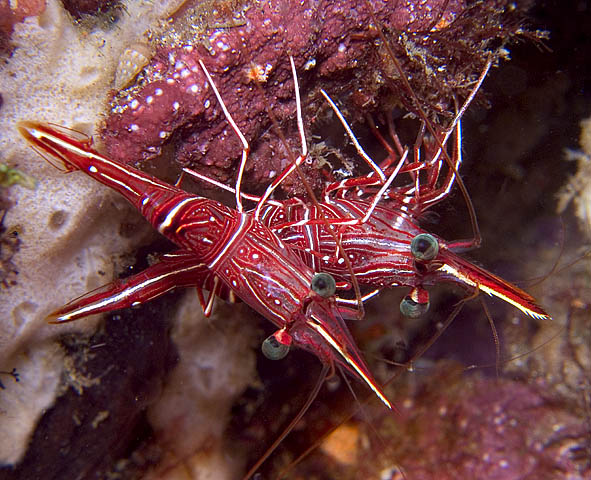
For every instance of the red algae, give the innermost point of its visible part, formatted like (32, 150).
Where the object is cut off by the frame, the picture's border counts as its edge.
(335, 46)
(453, 427)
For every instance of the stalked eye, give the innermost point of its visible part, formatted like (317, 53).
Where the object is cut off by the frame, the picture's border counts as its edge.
(416, 303)
(323, 284)
(424, 247)
(274, 350)
(410, 308)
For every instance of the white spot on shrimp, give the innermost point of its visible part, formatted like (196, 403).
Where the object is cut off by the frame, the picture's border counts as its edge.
(193, 88)
(134, 104)
(207, 104)
(145, 200)
(170, 81)
(272, 173)
(234, 283)
(276, 302)
(133, 127)
(340, 261)
(185, 72)
(503, 463)
(342, 48)
(255, 256)
(163, 134)
(176, 106)
(149, 99)
(158, 92)
(179, 65)
(92, 169)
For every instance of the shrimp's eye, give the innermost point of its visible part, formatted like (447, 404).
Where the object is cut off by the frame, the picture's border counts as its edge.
(411, 308)
(424, 247)
(416, 303)
(323, 284)
(273, 349)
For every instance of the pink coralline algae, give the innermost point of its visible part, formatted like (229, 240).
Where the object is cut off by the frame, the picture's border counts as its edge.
(480, 428)
(171, 109)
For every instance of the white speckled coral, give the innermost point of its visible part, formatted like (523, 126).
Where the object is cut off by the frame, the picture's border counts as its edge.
(57, 73)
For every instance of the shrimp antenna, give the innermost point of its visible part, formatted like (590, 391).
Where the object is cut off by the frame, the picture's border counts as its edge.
(311, 397)
(471, 211)
(296, 163)
(410, 367)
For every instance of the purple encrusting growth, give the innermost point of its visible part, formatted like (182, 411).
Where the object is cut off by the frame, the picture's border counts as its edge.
(493, 429)
(334, 46)
(501, 429)
(175, 98)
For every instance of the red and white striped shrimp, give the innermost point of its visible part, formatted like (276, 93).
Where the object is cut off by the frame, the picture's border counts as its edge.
(218, 244)
(378, 224)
